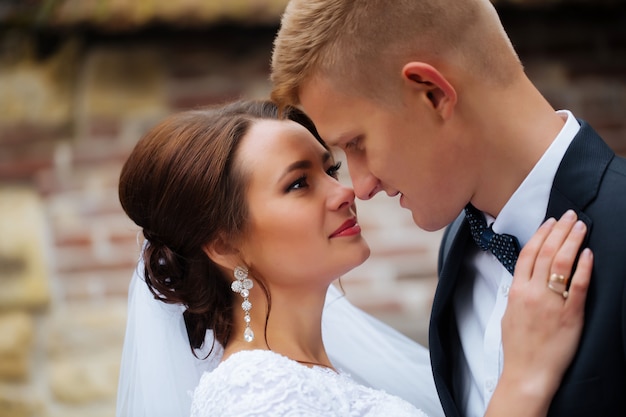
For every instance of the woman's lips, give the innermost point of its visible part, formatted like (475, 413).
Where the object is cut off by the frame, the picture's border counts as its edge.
(349, 228)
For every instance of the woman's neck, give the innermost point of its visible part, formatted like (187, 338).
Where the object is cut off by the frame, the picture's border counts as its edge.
(293, 329)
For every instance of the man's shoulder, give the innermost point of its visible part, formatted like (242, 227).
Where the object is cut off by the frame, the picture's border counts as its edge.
(618, 166)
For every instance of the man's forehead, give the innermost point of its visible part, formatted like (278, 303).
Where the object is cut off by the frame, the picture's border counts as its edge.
(328, 109)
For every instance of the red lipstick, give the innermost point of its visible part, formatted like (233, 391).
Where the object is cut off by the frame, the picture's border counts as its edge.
(349, 228)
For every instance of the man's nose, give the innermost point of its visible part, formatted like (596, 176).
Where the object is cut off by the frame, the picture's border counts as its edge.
(365, 184)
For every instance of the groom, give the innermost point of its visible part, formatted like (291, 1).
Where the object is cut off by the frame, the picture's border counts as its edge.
(429, 101)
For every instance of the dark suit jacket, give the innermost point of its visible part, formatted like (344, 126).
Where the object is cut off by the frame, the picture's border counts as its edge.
(592, 181)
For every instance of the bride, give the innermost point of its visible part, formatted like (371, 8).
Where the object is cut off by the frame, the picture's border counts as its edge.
(231, 309)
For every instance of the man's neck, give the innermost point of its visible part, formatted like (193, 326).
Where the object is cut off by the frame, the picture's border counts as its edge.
(517, 129)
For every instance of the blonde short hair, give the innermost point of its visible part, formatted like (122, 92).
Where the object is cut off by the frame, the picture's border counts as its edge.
(355, 44)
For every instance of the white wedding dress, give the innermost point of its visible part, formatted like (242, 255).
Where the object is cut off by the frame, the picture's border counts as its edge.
(261, 383)
(158, 372)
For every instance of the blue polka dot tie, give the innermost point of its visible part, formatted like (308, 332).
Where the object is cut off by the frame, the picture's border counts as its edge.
(504, 247)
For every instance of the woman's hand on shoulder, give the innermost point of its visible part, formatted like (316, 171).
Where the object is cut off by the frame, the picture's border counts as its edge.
(543, 322)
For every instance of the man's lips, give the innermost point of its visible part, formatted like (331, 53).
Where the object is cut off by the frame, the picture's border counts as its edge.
(348, 228)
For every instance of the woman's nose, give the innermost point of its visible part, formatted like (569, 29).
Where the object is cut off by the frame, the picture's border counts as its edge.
(342, 196)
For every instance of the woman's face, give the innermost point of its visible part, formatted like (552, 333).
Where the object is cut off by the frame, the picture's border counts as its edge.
(302, 226)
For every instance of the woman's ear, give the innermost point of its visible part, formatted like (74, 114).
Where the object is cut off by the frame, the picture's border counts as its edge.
(437, 90)
(222, 252)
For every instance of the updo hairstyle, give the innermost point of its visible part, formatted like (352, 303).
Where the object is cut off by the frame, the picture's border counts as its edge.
(182, 186)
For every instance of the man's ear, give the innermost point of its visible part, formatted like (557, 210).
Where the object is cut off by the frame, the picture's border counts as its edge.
(222, 252)
(429, 81)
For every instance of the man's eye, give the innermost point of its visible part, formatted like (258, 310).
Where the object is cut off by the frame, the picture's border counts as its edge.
(353, 145)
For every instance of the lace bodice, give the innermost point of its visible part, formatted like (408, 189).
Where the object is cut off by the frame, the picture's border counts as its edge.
(263, 383)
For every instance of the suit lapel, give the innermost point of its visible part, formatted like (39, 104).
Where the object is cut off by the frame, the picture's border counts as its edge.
(578, 178)
(575, 185)
(443, 340)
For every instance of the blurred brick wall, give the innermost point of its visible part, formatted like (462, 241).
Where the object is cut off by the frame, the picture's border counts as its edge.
(72, 105)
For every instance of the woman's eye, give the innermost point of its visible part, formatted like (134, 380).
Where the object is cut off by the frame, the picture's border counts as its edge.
(298, 184)
(333, 171)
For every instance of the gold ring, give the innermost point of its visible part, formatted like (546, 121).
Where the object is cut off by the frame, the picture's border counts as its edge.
(558, 284)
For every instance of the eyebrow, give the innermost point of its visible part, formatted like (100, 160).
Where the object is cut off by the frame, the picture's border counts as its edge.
(304, 164)
(344, 137)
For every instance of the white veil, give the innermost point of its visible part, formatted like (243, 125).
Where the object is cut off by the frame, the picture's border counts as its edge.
(377, 355)
(158, 370)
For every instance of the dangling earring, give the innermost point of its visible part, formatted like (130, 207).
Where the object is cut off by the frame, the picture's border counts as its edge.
(242, 286)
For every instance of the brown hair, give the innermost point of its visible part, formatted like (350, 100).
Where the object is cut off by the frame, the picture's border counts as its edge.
(358, 44)
(182, 186)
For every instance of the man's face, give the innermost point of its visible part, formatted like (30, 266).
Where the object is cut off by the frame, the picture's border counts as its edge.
(405, 150)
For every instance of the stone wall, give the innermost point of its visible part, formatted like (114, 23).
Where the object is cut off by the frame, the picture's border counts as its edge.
(74, 102)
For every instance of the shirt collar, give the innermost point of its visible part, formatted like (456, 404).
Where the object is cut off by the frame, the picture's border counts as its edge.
(525, 211)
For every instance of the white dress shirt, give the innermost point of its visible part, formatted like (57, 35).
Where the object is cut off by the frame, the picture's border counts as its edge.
(480, 302)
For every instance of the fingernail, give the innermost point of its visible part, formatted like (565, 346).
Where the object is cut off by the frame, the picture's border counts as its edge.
(549, 223)
(580, 226)
(569, 215)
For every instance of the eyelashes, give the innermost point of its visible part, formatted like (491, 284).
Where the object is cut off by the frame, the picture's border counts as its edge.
(298, 184)
(302, 181)
(333, 171)
(353, 146)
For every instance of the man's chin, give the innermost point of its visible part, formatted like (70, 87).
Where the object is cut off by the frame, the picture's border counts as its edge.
(429, 224)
